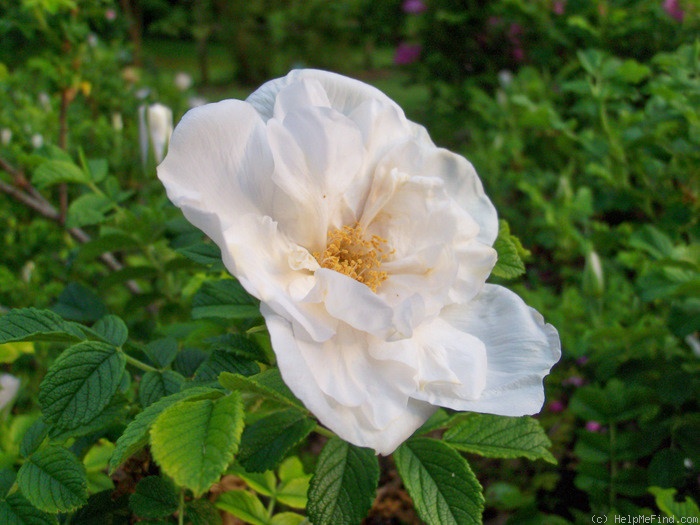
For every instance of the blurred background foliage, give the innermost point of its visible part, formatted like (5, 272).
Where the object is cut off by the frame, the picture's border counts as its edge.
(581, 116)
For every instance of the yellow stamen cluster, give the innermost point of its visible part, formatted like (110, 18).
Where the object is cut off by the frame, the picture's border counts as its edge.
(350, 252)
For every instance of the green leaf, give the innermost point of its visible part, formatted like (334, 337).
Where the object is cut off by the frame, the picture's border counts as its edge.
(7, 480)
(344, 485)
(293, 489)
(81, 383)
(162, 351)
(194, 441)
(287, 518)
(667, 502)
(33, 438)
(54, 172)
(500, 437)
(111, 329)
(88, 209)
(135, 436)
(79, 303)
(202, 512)
(616, 402)
(115, 410)
(267, 441)
(155, 385)
(101, 509)
(205, 253)
(239, 345)
(268, 384)
(226, 299)
(440, 482)
(17, 510)
(53, 480)
(154, 497)
(509, 264)
(98, 169)
(244, 506)
(31, 324)
(224, 361)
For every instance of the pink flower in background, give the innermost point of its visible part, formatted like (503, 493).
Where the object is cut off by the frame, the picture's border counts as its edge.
(576, 381)
(594, 426)
(407, 53)
(556, 406)
(673, 9)
(414, 7)
(110, 15)
(559, 7)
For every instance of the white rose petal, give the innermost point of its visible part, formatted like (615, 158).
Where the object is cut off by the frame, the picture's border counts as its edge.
(368, 247)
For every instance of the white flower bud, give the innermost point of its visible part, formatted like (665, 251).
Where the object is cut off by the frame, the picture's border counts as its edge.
(9, 386)
(117, 122)
(155, 127)
(37, 140)
(593, 280)
(183, 81)
(5, 136)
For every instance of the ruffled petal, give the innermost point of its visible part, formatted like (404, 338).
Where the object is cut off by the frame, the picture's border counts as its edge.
(274, 272)
(375, 412)
(318, 155)
(218, 166)
(520, 351)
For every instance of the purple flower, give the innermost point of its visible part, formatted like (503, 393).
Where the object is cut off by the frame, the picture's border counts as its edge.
(673, 9)
(407, 53)
(556, 406)
(414, 7)
(576, 381)
(559, 6)
(594, 426)
(582, 360)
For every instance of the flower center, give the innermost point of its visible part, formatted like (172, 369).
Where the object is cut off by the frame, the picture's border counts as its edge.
(350, 252)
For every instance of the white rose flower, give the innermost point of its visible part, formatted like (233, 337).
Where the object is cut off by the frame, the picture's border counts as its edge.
(368, 247)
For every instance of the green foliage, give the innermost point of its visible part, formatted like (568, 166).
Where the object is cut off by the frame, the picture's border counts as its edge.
(499, 437)
(343, 486)
(194, 441)
(133, 343)
(440, 482)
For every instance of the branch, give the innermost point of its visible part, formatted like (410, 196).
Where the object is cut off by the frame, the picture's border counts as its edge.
(34, 200)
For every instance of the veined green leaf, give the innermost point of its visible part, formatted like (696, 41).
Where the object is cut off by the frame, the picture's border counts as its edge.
(162, 351)
(156, 385)
(224, 361)
(268, 384)
(81, 383)
(135, 437)
(79, 303)
(17, 510)
(54, 172)
(243, 505)
(500, 437)
(154, 497)
(206, 253)
(32, 324)
(226, 299)
(509, 264)
(440, 482)
(267, 441)
(111, 329)
(194, 441)
(53, 480)
(344, 485)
